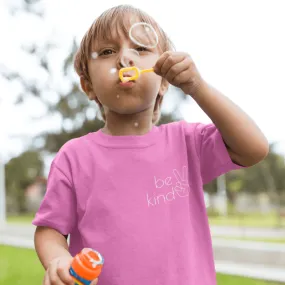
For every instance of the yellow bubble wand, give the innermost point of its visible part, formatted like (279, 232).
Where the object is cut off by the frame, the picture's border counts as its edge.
(137, 71)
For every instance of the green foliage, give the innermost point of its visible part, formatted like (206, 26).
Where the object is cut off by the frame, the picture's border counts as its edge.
(20, 172)
(266, 176)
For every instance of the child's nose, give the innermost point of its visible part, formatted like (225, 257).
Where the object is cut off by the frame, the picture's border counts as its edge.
(127, 58)
(126, 63)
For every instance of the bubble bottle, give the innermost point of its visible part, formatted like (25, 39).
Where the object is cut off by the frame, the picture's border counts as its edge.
(86, 266)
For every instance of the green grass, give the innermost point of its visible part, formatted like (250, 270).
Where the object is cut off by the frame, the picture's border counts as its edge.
(250, 220)
(236, 280)
(21, 266)
(270, 240)
(22, 219)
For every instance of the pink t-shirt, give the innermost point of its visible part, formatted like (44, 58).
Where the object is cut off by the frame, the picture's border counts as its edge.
(139, 201)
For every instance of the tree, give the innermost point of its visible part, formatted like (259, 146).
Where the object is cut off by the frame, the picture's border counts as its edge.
(21, 172)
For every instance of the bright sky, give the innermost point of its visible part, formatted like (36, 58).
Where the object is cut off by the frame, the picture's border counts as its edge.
(238, 46)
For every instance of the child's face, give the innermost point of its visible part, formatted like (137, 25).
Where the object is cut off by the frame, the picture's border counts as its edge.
(108, 90)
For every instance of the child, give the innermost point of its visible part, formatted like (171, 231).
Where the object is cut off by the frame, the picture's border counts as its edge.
(132, 190)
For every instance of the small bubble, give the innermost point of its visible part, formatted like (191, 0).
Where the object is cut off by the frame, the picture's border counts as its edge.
(113, 70)
(118, 96)
(129, 56)
(136, 124)
(94, 55)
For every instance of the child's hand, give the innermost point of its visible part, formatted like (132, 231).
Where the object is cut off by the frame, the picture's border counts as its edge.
(179, 70)
(58, 272)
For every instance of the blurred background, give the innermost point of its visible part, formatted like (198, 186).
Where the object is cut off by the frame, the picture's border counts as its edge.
(238, 46)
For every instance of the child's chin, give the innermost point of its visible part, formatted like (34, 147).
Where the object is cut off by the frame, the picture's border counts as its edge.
(129, 110)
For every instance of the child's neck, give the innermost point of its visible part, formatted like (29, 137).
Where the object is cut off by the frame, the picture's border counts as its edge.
(125, 125)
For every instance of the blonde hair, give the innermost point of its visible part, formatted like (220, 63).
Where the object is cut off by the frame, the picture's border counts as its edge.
(102, 28)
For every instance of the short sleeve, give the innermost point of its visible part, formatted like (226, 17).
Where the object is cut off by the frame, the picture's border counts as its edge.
(212, 152)
(58, 207)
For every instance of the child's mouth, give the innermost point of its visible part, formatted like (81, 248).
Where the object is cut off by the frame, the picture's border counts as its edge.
(127, 83)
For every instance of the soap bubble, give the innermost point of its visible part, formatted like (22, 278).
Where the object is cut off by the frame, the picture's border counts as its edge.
(94, 55)
(144, 35)
(113, 70)
(130, 57)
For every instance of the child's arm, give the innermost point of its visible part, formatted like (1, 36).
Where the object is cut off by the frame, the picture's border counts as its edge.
(50, 244)
(52, 249)
(245, 142)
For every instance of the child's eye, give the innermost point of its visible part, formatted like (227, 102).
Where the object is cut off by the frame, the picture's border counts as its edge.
(141, 49)
(106, 52)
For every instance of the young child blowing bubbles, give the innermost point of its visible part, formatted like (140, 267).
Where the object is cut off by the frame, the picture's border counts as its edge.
(132, 190)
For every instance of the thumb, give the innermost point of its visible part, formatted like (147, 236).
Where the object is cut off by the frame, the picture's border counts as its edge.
(94, 282)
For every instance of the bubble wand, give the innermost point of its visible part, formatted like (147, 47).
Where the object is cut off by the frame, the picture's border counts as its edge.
(137, 71)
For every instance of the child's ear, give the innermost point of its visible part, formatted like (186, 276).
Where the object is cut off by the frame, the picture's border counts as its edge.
(87, 88)
(157, 109)
(163, 87)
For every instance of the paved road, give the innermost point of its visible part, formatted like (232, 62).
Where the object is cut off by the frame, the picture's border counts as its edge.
(19, 230)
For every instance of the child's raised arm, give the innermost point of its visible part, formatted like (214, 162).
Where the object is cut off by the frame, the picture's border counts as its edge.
(245, 142)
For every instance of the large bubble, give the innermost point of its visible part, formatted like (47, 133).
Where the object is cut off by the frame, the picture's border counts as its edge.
(144, 35)
(130, 57)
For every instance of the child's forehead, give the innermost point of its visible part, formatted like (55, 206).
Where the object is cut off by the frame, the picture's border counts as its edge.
(114, 29)
(115, 34)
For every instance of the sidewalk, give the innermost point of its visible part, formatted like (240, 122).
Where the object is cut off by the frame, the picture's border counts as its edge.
(251, 270)
(216, 231)
(247, 232)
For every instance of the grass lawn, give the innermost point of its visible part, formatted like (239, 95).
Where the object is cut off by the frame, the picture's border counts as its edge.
(251, 220)
(271, 240)
(23, 219)
(21, 266)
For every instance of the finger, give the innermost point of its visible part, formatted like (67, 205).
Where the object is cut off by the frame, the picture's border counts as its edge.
(94, 282)
(170, 62)
(53, 276)
(182, 77)
(63, 273)
(176, 69)
(161, 60)
(46, 280)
